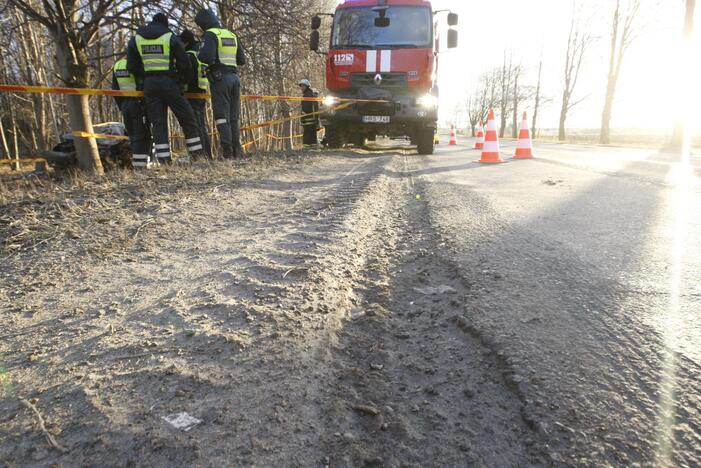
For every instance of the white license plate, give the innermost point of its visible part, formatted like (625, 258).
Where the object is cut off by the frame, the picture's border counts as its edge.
(376, 119)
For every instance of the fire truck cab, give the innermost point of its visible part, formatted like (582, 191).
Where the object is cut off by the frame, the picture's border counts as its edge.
(383, 53)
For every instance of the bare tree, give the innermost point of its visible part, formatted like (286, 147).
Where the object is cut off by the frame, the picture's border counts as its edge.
(537, 98)
(482, 98)
(506, 80)
(679, 134)
(622, 35)
(470, 106)
(74, 27)
(516, 98)
(85, 37)
(578, 42)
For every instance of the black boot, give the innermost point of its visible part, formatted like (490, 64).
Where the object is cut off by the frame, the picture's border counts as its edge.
(239, 153)
(228, 152)
(198, 155)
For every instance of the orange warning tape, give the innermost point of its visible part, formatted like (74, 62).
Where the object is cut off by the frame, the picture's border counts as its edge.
(271, 136)
(58, 90)
(99, 136)
(275, 137)
(294, 117)
(270, 123)
(246, 145)
(23, 160)
(114, 92)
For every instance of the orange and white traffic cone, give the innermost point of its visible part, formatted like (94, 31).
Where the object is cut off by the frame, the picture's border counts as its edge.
(524, 146)
(453, 138)
(479, 144)
(490, 152)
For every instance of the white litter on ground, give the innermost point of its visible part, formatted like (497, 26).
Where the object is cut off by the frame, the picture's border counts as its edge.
(182, 421)
(442, 289)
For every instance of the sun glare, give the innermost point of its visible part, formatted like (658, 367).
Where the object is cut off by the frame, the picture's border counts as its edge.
(681, 177)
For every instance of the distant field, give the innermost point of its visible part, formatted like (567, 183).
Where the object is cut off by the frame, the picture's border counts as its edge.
(626, 137)
(623, 137)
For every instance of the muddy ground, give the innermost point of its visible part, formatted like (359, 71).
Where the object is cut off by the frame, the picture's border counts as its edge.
(338, 309)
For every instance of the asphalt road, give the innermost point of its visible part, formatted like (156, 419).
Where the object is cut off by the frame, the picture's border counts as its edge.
(590, 286)
(367, 307)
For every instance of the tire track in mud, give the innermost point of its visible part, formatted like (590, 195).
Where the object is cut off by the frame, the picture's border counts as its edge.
(409, 384)
(285, 308)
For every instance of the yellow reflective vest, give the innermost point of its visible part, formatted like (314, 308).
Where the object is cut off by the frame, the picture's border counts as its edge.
(202, 81)
(125, 80)
(227, 46)
(155, 53)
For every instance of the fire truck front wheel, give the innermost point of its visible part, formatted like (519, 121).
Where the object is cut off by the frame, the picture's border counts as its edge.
(424, 140)
(333, 137)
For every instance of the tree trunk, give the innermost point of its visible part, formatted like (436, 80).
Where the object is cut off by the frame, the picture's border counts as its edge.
(679, 134)
(561, 135)
(536, 104)
(74, 73)
(514, 115)
(100, 102)
(605, 133)
(15, 142)
(86, 148)
(3, 140)
(285, 112)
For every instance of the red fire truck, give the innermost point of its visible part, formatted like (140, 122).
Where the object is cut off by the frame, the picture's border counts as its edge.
(384, 51)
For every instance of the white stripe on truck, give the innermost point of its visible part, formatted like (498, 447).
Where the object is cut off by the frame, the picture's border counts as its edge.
(386, 61)
(371, 62)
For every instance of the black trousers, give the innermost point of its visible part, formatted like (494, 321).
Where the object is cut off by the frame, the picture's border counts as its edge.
(310, 135)
(162, 92)
(199, 107)
(134, 115)
(226, 106)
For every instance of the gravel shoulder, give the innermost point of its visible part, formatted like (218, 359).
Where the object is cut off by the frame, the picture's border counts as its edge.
(302, 313)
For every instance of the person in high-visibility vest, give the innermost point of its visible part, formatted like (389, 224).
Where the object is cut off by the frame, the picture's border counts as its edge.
(134, 114)
(222, 52)
(310, 123)
(198, 84)
(157, 55)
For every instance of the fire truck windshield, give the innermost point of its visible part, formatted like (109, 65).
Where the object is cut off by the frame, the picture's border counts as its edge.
(354, 28)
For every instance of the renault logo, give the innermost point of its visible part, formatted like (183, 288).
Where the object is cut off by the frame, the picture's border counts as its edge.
(378, 79)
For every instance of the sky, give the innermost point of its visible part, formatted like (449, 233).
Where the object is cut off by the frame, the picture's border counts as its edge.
(645, 97)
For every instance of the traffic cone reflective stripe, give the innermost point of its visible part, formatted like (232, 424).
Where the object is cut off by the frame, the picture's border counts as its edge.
(453, 138)
(479, 144)
(490, 152)
(524, 145)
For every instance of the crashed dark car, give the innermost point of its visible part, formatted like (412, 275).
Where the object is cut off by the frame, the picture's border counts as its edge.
(113, 153)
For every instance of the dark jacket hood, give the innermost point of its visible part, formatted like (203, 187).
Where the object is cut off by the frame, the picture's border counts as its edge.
(153, 30)
(195, 46)
(206, 19)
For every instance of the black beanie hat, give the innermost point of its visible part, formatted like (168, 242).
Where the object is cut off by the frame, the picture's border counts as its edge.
(160, 18)
(187, 37)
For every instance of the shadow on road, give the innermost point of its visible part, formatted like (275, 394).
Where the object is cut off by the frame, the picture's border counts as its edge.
(562, 296)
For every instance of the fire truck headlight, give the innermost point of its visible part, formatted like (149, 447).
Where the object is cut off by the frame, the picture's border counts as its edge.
(427, 102)
(330, 101)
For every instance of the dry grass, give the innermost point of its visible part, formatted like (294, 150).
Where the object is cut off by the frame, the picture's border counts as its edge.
(105, 214)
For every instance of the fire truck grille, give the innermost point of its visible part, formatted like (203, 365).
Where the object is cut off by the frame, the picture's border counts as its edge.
(389, 80)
